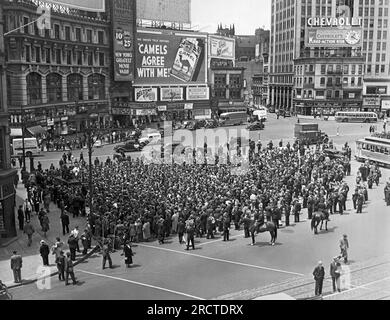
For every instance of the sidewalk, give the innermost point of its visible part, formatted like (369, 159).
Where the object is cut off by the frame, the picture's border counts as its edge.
(31, 257)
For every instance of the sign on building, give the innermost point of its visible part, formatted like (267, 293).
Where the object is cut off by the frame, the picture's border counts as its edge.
(145, 94)
(385, 104)
(170, 58)
(222, 48)
(334, 37)
(171, 94)
(371, 101)
(124, 25)
(164, 10)
(198, 93)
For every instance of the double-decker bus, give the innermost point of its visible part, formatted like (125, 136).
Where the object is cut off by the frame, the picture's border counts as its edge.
(356, 117)
(373, 149)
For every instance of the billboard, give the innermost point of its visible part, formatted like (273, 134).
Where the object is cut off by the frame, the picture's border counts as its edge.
(164, 10)
(86, 5)
(145, 94)
(334, 37)
(222, 48)
(171, 94)
(198, 93)
(124, 24)
(170, 58)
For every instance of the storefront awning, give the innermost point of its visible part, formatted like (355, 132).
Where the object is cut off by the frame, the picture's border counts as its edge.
(16, 132)
(36, 130)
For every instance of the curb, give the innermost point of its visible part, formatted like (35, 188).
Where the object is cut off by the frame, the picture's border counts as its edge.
(27, 282)
(7, 243)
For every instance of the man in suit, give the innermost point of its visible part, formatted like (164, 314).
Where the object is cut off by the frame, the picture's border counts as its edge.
(69, 269)
(335, 274)
(16, 266)
(21, 218)
(319, 275)
(65, 223)
(44, 250)
(226, 227)
(190, 229)
(180, 230)
(106, 255)
(344, 246)
(29, 230)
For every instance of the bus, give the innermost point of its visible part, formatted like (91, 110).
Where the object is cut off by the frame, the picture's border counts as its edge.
(366, 117)
(31, 147)
(373, 149)
(233, 118)
(261, 114)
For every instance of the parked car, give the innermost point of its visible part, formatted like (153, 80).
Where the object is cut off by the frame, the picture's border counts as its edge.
(334, 154)
(98, 144)
(256, 126)
(129, 146)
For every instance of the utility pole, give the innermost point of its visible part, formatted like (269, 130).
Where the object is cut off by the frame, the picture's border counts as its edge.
(23, 135)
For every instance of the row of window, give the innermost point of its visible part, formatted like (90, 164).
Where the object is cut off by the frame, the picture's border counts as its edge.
(370, 47)
(331, 81)
(74, 83)
(58, 32)
(370, 12)
(328, 94)
(367, 2)
(331, 68)
(59, 56)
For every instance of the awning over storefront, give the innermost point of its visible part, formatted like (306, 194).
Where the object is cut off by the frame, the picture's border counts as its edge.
(16, 132)
(36, 130)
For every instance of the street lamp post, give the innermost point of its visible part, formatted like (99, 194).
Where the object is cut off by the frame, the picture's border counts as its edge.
(23, 134)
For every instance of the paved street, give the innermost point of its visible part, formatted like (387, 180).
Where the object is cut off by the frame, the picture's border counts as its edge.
(220, 269)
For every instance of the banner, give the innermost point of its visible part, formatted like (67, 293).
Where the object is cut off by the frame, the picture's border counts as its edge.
(334, 37)
(198, 93)
(164, 10)
(371, 101)
(222, 48)
(188, 106)
(85, 5)
(163, 58)
(123, 17)
(145, 94)
(171, 94)
(385, 104)
(146, 112)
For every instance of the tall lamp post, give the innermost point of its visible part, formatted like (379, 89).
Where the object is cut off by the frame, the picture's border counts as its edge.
(90, 151)
(23, 135)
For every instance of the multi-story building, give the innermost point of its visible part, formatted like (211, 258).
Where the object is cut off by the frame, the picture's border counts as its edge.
(376, 35)
(57, 74)
(7, 174)
(324, 78)
(245, 47)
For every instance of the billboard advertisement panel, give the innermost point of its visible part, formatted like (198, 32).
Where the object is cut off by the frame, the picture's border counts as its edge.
(334, 37)
(164, 10)
(198, 93)
(145, 94)
(170, 58)
(222, 48)
(123, 16)
(171, 94)
(86, 5)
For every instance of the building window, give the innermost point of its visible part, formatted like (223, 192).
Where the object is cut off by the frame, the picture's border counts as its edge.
(2, 148)
(48, 55)
(67, 33)
(337, 94)
(54, 87)
(322, 81)
(89, 36)
(79, 58)
(78, 34)
(96, 87)
(101, 59)
(323, 69)
(34, 88)
(58, 56)
(101, 37)
(75, 87)
(56, 31)
(37, 53)
(69, 57)
(26, 21)
(27, 50)
(90, 58)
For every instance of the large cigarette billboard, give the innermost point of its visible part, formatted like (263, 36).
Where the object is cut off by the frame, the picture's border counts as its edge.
(86, 5)
(334, 37)
(164, 10)
(170, 58)
(222, 48)
(124, 26)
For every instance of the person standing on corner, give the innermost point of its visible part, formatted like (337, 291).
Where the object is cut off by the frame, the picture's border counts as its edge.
(69, 270)
(128, 253)
(319, 275)
(60, 261)
(335, 274)
(65, 223)
(16, 266)
(44, 250)
(344, 246)
(106, 255)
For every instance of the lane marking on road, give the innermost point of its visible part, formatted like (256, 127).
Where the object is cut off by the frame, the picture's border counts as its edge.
(219, 240)
(142, 284)
(222, 260)
(364, 286)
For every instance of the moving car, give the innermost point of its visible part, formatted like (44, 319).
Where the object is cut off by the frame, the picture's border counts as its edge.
(129, 146)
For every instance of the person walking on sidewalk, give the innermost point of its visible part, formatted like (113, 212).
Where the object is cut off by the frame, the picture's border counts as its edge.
(335, 274)
(106, 255)
(69, 270)
(72, 242)
(65, 223)
(344, 246)
(29, 230)
(44, 251)
(319, 275)
(128, 253)
(45, 224)
(60, 261)
(21, 217)
(27, 208)
(16, 266)
(57, 248)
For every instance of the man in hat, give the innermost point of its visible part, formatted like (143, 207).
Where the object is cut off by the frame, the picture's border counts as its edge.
(319, 275)
(335, 274)
(16, 266)
(69, 270)
(60, 261)
(106, 255)
(44, 250)
(344, 246)
(29, 230)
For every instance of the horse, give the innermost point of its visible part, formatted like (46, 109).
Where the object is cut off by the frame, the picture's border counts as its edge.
(268, 226)
(319, 216)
